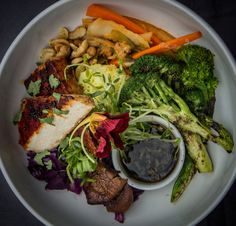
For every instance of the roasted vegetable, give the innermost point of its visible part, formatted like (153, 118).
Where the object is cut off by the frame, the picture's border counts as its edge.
(169, 69)
(161, 34)
(169, 45)
(198, 152)
(103, 28)
(100, 11)
(185, 176)
(117, 36)
(223, 136)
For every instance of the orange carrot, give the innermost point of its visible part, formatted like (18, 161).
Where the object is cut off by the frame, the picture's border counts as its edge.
(115, 62)
(172, 44)
(99, 11)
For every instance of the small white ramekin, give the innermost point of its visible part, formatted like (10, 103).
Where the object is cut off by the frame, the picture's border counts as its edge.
(171, 177)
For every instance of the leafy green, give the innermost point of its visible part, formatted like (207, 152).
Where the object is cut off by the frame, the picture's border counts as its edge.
(17, 117)
(48, 120)
(60, 112)
(57, 96)
(53, 81)
(39, 159)
(34, 87)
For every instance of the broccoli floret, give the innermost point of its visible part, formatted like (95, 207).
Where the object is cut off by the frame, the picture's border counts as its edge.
(169, 69)
(197, 76)
(196, 54)
(150, 63)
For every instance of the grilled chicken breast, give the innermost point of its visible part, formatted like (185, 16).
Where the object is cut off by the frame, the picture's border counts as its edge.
(56, 68)
(46, 121)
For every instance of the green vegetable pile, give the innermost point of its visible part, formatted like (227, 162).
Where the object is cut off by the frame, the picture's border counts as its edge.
(182, 90)
(79, 161)
(179, 87)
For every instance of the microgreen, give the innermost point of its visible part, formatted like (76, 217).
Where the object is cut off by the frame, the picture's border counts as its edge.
(116, 80)
(53, 81)
(34, 87)
(78, 163)
(97, 93)
(64, 143)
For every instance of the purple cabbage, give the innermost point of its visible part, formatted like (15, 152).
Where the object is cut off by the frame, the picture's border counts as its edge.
(56, 177)
(120, 217)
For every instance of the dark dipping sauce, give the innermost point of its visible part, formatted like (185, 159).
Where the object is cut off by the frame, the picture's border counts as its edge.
(150, 160)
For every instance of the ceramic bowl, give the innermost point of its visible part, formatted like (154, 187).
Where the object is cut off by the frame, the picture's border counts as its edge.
(117, 161)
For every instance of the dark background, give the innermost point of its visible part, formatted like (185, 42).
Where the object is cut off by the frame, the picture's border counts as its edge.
(15, 14)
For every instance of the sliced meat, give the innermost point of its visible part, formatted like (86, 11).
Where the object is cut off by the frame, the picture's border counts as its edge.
(56, 68)
(122, 203)
(36, 133)
(107, 186)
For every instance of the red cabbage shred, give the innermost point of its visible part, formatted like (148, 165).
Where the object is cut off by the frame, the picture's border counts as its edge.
(55, 178)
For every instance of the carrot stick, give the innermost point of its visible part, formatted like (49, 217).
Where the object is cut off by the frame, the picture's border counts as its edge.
(99, 11)
(165, 46)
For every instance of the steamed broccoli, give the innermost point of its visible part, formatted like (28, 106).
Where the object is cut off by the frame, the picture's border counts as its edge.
(169, 69)
(198, 76)
(190, 74)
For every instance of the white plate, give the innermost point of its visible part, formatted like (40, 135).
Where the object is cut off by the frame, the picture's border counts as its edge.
(154, 207)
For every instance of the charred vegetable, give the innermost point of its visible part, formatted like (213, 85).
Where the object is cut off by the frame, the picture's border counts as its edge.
(185, 176)
(148, 93)
(198, 152)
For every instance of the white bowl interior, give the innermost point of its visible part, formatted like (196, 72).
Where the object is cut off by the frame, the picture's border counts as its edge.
(64, 208)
